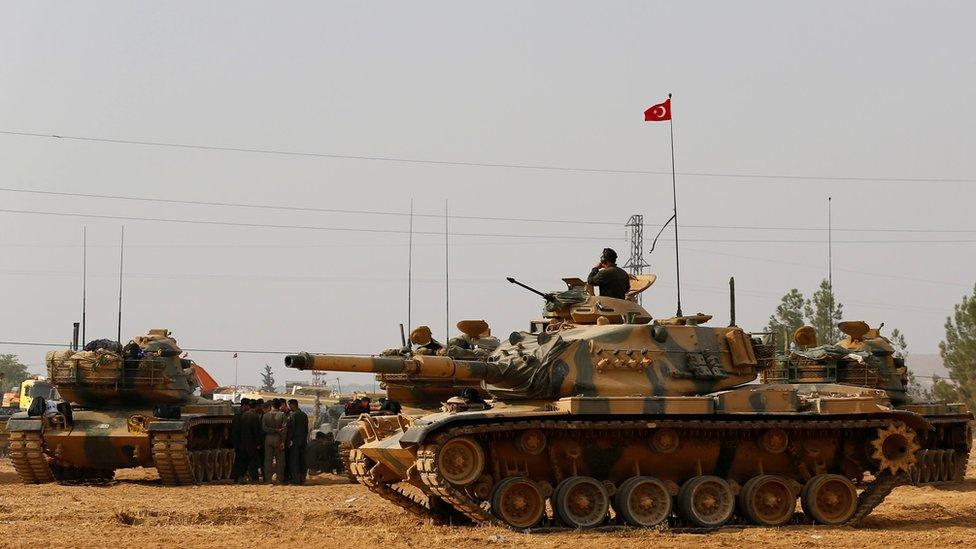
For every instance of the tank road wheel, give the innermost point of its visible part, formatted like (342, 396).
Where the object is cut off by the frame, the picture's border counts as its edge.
(581, 502)
(768, 500)
(517, 502)
(643, 501)
(895, 447)
(706, 501)
(197, 466)
(829, 499)
(948, 464)
(228, 463)
(461, 461)
(924, 464)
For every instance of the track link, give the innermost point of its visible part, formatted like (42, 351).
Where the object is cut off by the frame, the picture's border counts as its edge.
(27, 455)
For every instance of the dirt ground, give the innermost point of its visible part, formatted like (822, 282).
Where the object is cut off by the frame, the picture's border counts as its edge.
(136, 512)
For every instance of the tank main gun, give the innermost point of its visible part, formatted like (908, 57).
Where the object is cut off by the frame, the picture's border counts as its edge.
(426, 366)
(625, 359)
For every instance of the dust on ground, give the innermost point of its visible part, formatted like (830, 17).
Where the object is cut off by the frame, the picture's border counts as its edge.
(136, 512)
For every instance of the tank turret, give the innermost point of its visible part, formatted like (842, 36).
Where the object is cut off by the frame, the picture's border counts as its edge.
(147, 371)
(587, 360)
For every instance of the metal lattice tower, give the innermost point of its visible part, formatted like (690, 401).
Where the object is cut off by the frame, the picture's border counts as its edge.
(636, 264)
(318, 378)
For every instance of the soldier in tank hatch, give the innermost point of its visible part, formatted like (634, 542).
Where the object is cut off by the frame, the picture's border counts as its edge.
(608, 277)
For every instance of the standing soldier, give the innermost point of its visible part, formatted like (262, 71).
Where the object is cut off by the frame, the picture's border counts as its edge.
(273, 426)
(235, 438)
(251, 435)
(297, 442)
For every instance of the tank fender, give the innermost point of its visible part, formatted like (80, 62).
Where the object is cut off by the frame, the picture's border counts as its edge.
(913, 420)
(166, 426)
(18, 425)
(350, 433)
(435, 422)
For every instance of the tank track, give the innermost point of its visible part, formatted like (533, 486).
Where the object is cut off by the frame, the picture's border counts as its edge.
(874, 493)
(872, 496)
(359, 466)
(344, 450)
(27, 455)
(179, 467)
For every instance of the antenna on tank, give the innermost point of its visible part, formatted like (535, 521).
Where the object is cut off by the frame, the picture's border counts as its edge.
(410, 269)
(447, 279)
(731, 301)
(121, 257)
(84, 282)
(830, 264)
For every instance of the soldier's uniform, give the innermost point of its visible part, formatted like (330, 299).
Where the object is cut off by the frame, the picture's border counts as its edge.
(612, 281)
(297, 444)
(251, 435)
(272, 424)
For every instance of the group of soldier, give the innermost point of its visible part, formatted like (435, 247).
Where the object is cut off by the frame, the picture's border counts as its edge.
(270, 442)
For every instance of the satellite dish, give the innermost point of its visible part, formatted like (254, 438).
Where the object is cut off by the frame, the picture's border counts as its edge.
(805, 336)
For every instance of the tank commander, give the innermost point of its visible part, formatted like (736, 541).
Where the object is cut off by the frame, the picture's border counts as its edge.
(606, 275)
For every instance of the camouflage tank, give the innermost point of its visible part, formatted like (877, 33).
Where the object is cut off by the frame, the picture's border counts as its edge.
(131, 407)
(599, 411)
(865, 358)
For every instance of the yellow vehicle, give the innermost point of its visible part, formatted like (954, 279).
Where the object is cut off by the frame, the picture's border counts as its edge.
(36, 386)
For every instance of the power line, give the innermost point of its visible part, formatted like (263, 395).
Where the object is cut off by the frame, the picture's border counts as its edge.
(453, 216)
(479, 235)
(476, 164)
(187, 349)
(298, 227)
(262, 352)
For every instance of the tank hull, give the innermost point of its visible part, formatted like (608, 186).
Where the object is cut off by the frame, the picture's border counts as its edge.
(193, 449)
(800, 438)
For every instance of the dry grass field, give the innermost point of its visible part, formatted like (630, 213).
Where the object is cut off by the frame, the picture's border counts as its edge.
(135, 512)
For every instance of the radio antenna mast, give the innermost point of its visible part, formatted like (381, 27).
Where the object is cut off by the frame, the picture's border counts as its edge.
(410, 269)
(84, 282)
(121, 257)
(447, 280)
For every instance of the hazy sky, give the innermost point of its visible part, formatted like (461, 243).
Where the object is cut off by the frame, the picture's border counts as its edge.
(877, 90)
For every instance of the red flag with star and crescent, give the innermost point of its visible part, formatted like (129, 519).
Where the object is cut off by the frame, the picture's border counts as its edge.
(659, 112)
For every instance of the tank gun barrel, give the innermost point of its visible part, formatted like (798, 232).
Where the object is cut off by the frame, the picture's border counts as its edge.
(424, 365)
(546, 296)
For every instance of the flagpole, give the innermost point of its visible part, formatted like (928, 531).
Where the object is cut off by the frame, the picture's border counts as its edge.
(235, 370)
(674, 196)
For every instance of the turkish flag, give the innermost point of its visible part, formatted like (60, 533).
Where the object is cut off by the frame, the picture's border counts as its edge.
(235, 355)
(659, 112)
